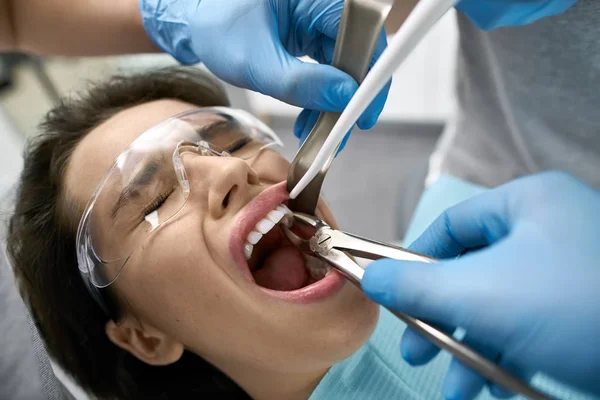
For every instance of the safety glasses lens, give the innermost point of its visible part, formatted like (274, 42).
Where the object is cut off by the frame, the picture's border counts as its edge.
(141, 192)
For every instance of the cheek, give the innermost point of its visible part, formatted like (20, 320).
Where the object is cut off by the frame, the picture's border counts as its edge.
(170, 259)
(178, 285)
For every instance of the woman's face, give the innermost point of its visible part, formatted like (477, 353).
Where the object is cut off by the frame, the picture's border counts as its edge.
(189, 284)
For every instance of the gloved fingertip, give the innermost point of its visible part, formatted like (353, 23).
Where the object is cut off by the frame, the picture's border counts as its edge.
(343, 143)
(379, 281)
(369, 118)
(301, 121)
(461, 382)
(303, 137)
(415, 349)
(298, 131)
(367, 121)
(305, 123)
(406, 353)
(452, 393)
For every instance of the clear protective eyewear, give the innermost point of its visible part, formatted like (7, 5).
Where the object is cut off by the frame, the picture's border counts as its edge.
(147, 185)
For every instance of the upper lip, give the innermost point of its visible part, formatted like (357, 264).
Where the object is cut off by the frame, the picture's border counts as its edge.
(249, 216)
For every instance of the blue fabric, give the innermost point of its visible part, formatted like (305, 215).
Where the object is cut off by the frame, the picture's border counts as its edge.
(377, 370)
(445, 192)
(492, 14)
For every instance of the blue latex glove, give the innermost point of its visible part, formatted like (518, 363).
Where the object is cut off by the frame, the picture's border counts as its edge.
(254, 43)
(529, 299)
(492, 14)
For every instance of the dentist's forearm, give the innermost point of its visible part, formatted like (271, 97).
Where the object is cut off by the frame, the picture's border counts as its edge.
(73, 27)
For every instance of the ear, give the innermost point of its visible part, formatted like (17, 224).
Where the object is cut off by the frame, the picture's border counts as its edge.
(144, 342)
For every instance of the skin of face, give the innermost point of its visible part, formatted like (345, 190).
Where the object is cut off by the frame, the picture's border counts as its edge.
(183, 289)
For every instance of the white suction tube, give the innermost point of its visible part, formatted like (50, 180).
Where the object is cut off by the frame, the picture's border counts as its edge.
(420, 21)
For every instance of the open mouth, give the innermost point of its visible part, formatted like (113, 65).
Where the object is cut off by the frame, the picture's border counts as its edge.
(274, 262)
(270, 261)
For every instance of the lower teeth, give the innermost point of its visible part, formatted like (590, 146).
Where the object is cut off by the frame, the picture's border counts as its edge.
(317, 268)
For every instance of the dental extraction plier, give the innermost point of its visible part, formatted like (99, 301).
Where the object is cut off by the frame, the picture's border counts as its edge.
(332, 245)
(336, 248)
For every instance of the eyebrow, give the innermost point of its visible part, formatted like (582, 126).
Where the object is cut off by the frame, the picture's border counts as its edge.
(229, 124)
(141, 180)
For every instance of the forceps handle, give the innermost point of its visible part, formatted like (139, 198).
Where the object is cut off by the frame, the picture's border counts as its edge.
(341, 242)
(372, 249)
(359, 30)
(471, 359)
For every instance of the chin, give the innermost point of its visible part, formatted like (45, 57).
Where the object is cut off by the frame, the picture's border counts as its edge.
(356, 318)
(345, 328)
(342, 323)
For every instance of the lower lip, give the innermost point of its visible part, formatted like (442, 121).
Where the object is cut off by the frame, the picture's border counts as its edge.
(326, 287)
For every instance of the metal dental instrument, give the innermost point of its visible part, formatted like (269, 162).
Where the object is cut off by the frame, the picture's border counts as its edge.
(333, 246)
(360, 28)
(419, 22)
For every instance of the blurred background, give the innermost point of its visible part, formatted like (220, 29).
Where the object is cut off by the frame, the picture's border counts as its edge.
(371, 187)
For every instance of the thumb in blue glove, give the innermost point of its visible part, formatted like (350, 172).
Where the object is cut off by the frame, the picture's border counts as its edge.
(254, 44)
(528, 300)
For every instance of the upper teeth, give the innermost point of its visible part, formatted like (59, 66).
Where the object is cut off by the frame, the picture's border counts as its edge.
(264, 226)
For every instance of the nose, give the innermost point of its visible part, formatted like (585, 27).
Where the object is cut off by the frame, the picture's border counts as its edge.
(227, 183)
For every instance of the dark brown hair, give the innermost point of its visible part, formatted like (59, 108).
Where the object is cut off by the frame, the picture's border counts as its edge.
(41, 246)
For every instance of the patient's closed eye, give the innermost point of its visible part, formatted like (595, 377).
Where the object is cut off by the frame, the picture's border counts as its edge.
(144, 178)
(156, 203)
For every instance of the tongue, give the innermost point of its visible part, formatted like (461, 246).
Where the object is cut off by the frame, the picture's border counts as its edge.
(283, 270)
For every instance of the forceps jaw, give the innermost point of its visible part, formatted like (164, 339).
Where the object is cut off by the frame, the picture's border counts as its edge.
(321, 246)
(325, 239)
(336, 248)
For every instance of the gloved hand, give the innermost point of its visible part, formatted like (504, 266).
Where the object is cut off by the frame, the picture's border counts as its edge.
(529, 299)
(254, 43)
(492, 14)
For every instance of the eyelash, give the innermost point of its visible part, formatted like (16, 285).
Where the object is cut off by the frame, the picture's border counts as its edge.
(156, 203)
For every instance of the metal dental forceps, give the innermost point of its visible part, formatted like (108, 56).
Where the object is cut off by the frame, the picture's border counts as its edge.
(335, 247)
(332, 245)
